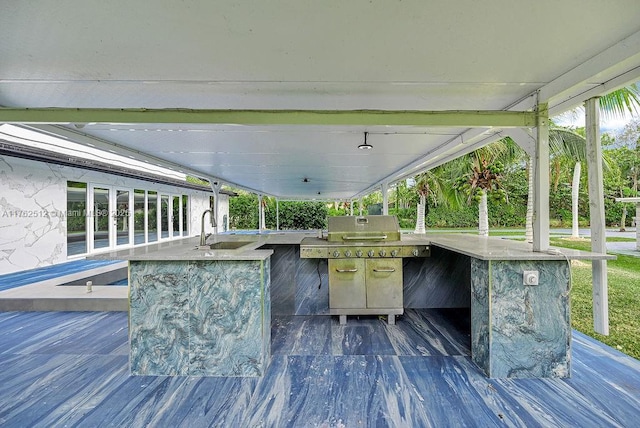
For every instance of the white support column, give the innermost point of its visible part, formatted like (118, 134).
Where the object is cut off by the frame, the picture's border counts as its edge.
(216, 186)
(260, 214)
(351, 206)
(596, 216)
(277, 214)
(541, 182)
(385, 199)
(360, 205)
(637, 223)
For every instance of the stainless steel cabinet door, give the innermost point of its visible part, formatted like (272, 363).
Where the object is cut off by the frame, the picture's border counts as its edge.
(384, 283)
(347, 283)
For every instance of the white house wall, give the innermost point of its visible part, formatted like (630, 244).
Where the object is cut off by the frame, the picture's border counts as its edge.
(223, 210)
(33, 201)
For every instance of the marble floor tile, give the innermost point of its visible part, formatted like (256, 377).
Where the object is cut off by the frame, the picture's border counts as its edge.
(363, 335)
(414, 334)
(156, 401)
(336, 391)
(301, 335)
(455, 393)
(89, 385)
(99, 333)
(46, 390)
(454, 324)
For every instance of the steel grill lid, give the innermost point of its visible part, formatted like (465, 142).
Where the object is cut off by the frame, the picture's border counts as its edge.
(363, 228)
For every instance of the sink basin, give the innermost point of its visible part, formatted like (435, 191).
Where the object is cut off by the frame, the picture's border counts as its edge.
(228, 245)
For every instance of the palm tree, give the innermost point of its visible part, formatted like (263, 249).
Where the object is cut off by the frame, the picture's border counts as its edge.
(433, 185)
(567, 144)
(480, 175)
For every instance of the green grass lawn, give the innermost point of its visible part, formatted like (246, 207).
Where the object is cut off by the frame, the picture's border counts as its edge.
(623, 277)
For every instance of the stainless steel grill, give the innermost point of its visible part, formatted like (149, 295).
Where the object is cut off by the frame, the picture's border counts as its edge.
(365, 265)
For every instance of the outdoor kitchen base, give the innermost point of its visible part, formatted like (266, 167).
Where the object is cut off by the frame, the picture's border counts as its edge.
(365, 265)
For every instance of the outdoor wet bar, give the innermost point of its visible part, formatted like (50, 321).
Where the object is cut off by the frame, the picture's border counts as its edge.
(520, 307)
(197, 311)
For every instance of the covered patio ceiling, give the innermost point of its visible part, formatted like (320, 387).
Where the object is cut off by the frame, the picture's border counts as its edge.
(194, 85)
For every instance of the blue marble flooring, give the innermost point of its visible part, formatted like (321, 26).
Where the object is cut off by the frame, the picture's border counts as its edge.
(71, 369)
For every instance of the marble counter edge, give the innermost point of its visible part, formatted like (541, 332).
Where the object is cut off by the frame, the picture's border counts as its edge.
(184, 249)
(506, 249)
(479, 247)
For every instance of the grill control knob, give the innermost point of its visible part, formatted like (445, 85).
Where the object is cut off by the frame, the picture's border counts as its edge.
(415, 252)
(394, 253)
(382, 253)
(336, 253)
(370, 253)
(359, 253)
(347, 253)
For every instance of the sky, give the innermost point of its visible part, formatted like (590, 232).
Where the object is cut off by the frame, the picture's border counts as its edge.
(576, 119)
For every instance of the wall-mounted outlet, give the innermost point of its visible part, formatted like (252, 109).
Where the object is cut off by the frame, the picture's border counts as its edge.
(530, 277)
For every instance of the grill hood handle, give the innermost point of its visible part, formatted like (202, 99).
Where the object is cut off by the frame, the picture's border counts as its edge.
(364, 238)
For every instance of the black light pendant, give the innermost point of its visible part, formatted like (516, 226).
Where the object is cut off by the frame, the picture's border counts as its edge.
(365, 145)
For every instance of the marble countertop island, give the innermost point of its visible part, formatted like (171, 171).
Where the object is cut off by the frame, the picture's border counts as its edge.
(187, 248)
(493, 248)
(483, 248)
(480, 247)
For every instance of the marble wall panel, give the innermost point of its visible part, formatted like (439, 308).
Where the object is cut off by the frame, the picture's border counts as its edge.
(301, 286)
(439, 281)
(198, 204)
(32, 207)
(520, 330)
(159, 318)
(312, 287)
(265, 299)
(33, 231)
(480, 313)
(283, 278)
(225, 319)
(200, 318)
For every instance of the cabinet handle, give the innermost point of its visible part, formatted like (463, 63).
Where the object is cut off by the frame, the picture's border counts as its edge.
(347, 270)
(384, 270)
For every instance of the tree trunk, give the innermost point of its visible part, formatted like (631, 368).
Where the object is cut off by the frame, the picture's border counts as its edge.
(528, 234)
(483, 215)
(575, 191)
(420, 226)
(623, 220)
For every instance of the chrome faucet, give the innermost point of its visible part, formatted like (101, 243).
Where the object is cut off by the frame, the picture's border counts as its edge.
(203, 237)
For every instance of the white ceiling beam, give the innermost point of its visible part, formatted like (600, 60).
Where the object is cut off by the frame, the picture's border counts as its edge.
(595, 90)
(611, 69)
(471, 118)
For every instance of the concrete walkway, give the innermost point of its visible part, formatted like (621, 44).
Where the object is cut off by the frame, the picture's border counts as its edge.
(47, 297)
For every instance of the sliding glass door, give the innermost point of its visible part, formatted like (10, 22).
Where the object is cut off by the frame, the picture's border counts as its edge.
(110, 220)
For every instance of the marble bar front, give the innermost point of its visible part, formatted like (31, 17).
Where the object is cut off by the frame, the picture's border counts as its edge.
(208, 312)
(196, 312)
(199, 318)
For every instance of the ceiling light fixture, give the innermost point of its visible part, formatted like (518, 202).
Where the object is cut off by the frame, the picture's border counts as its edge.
(365, 145)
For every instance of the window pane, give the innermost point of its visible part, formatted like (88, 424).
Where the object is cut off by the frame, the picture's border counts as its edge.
(164, 219)
(138, 216)
(185, 215)
(76, 218)
(122, 214)
(175, 219)
(152, 220)
(100, 218)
